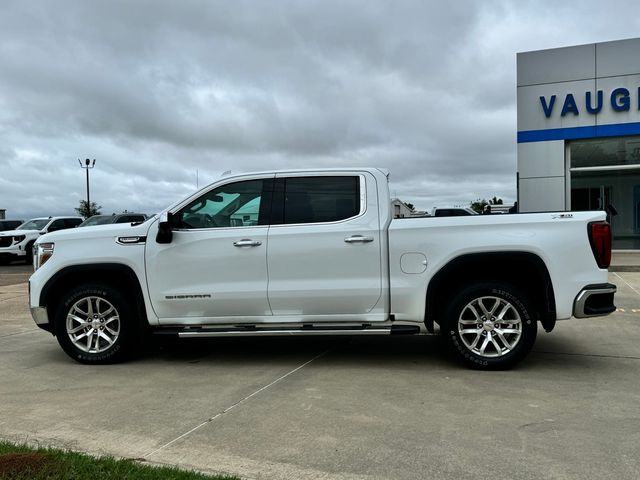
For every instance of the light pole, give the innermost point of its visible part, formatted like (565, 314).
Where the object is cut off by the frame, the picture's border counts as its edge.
(88, 164)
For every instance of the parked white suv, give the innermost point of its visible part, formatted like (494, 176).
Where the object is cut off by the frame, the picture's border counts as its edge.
(17, 244)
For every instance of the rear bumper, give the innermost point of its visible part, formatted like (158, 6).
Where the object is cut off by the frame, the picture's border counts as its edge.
(595, 301)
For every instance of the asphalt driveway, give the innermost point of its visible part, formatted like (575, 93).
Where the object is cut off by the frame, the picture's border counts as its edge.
(325, 408)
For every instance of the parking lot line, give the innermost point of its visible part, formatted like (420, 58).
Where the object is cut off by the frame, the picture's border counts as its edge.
(626, 283)
(228, 409)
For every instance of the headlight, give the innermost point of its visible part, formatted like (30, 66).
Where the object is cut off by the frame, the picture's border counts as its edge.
(42, 253)
(18, 238)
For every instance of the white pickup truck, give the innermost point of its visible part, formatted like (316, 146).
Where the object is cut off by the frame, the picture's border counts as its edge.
(316, 252)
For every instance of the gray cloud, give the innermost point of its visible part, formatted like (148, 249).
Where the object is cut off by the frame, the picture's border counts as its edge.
(157, 90)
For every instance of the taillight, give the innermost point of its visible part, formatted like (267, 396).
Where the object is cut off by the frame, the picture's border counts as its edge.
(600, 239)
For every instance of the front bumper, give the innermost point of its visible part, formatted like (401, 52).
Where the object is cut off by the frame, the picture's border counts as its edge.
(595, 301)
(12, 254)
(39, 315)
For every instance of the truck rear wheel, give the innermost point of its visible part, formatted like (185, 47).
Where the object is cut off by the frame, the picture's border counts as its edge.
(490, 326)
(94, 324)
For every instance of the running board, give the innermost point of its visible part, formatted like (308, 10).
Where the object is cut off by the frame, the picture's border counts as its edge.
(253, 331)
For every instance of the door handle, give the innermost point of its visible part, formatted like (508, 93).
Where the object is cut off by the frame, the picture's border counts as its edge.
(246, 242)
(358, 239)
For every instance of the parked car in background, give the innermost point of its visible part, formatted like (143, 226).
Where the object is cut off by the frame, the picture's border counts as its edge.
(452, 211)
(499, 209)
(6, 225)
(17, 244)
(126, 217)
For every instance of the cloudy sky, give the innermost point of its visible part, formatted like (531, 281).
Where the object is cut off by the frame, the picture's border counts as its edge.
(156, 91)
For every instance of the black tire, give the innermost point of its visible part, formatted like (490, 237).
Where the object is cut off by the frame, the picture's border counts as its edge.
(29, 253)
(491, 342)
(97, 348)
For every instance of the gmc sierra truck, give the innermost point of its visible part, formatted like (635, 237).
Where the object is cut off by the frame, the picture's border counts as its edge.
(316, 252)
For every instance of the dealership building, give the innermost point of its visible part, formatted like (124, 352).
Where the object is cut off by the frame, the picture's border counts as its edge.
(579, 132)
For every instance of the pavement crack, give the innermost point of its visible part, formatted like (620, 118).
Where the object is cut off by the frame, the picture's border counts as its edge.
(231, 407)
(627, 357)
(18, 333)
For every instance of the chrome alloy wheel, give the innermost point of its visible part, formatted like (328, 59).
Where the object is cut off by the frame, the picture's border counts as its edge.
(490, 326)
(93, 324)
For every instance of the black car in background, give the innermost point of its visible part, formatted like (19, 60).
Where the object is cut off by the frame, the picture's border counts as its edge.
(115, 218)
(6, 225)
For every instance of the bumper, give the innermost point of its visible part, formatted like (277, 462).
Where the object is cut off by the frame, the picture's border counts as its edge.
(39, 315)
(11, 254)
(594, 301)
(41, 318)
(38, 312)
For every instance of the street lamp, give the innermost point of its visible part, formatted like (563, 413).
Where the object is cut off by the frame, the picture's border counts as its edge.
(88, 164)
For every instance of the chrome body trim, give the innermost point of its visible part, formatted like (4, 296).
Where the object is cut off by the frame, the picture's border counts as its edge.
(283, 333)
(584, 295)
(132, 240)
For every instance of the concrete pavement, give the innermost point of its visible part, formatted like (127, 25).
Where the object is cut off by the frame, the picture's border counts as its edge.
(357, 408)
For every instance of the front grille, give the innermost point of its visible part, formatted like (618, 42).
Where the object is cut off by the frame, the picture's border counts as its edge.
(6, 241)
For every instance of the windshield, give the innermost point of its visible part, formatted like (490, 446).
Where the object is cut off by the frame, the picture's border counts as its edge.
(38, 224)
(97, 220)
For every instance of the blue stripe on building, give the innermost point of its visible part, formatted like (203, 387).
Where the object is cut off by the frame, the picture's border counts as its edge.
(574, 133)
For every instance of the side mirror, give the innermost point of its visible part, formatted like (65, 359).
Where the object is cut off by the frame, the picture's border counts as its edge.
(165, 230)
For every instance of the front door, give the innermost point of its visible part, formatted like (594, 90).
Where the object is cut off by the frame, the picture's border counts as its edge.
(215, 268)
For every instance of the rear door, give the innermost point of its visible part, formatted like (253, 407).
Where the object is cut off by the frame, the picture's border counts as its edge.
(324, 256)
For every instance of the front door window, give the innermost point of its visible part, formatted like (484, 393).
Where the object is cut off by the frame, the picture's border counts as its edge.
(234, 205)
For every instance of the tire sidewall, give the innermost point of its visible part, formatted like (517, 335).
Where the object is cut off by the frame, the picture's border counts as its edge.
(122, 346)
(508, 293)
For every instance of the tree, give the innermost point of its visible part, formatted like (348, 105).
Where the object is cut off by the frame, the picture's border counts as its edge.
(88, 211)
(480, 204)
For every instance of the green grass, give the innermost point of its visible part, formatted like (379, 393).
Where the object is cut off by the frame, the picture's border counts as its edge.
(21, 462)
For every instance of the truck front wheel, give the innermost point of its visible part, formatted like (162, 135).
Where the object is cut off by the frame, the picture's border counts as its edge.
(94, 324)
(490, 326)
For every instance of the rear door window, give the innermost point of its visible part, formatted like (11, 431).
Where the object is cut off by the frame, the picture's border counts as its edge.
(320, 199)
